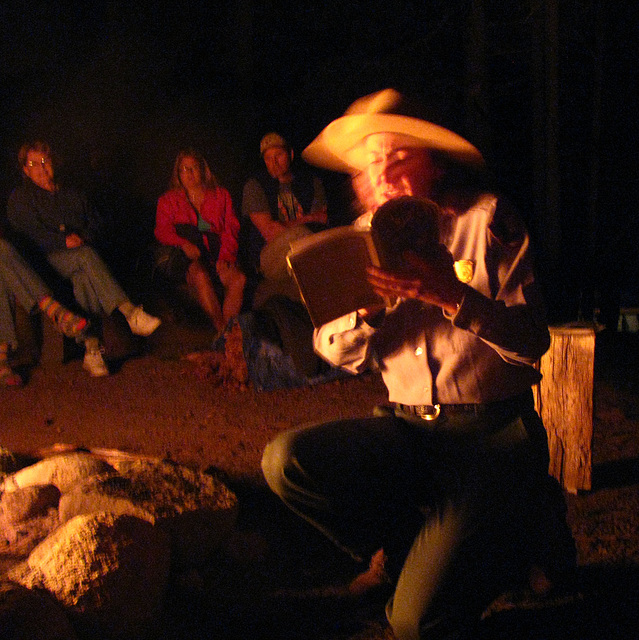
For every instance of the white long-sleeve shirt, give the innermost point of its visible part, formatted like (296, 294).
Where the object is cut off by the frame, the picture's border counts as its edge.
(486, 350)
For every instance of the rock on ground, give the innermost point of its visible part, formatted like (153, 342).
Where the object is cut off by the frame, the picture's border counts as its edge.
(110, 572)
(31, 614)
(194, 508)
(62, 470)
(27, 516)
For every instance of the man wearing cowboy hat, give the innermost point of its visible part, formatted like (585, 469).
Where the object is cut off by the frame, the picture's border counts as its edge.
(447, 489)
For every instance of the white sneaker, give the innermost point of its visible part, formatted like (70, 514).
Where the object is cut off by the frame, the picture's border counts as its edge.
(141, 323)
(94, 364)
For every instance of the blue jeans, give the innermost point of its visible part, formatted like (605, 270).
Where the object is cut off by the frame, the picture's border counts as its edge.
(446, 501)
(19, 280)
(94, 288)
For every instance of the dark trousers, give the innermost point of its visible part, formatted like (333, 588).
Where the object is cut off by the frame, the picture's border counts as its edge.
(453, 505)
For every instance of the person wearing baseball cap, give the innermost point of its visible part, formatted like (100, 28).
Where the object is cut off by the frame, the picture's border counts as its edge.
(446, 490)
(282, 202)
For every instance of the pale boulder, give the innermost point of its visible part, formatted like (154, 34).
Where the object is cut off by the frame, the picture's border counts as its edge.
(195, 509)
(27, 516)
(109, 572)
(62, 470)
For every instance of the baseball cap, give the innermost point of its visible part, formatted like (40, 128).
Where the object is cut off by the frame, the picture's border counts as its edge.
(272, 140)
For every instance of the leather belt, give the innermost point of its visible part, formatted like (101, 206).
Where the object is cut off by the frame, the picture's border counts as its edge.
(502, 408)
(424, 411)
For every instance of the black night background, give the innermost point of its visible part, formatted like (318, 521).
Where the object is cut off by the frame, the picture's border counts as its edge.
(546, 89)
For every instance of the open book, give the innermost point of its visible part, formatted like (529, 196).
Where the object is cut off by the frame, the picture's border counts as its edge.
(330, 270)
(330, 266)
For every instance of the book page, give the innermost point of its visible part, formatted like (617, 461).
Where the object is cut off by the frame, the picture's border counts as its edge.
(330, 270)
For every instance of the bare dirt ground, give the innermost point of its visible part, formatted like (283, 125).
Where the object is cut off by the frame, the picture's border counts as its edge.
(271, 578)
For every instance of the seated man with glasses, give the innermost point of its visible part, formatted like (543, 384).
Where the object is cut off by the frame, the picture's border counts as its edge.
(58, 221)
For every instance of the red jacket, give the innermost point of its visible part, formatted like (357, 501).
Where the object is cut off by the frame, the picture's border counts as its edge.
(217, 209)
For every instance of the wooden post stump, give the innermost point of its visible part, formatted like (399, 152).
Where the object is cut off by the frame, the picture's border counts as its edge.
(28, 339)
(564, 400)
(52, 345)
(38, 340)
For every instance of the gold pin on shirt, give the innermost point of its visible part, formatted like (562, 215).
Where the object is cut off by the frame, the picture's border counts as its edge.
(464, 270)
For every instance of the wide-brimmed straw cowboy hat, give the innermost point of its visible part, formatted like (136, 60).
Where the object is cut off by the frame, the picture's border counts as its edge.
(338, 146)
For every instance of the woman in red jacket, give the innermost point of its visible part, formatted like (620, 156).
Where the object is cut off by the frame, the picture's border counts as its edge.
(198, 229)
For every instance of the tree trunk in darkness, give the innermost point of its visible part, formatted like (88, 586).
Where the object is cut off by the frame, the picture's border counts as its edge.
(546, 165)
(243, 21)
(476, 108)
(587, 311)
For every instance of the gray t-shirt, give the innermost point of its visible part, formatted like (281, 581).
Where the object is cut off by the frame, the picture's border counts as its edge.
(254, 200)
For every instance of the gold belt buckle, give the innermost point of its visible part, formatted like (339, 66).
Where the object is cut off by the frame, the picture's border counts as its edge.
(429, 415)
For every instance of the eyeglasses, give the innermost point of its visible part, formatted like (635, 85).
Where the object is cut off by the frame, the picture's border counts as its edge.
(38, 163)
